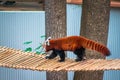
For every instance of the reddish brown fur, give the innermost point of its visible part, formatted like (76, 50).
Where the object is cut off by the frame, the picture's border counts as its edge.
(75, 42)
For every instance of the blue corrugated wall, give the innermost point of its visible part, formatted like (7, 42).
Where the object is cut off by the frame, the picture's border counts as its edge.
(15, 29)
(114, 42)
(73, 27)
(18, 27)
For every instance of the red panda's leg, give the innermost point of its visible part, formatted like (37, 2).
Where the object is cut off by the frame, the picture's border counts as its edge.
(61, 54)
(52, 55)
(80, 54)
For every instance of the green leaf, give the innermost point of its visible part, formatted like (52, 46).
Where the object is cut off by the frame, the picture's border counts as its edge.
(42, 52)
(43, 36)
(28, 42)
(38, 47)
(37, 52)
(40, 43)
(29, 49)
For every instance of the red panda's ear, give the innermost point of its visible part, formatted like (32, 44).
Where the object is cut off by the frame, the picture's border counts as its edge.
(47, 42)
(49, 38)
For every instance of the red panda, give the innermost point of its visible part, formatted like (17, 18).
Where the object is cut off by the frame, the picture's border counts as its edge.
(77, 44)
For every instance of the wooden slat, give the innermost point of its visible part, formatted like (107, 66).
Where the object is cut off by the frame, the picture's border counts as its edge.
(18, 59)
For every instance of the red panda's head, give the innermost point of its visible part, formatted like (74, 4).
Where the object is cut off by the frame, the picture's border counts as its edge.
(48, 44)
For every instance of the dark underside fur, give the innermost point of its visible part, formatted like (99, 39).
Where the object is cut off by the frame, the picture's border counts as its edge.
(79, 52)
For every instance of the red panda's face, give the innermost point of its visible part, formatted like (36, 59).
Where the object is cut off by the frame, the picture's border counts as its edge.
(47, 45)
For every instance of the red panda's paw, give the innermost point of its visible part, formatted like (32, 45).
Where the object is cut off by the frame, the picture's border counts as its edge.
(78, 59)
(51, 56)
(61, 60)
(48, 57)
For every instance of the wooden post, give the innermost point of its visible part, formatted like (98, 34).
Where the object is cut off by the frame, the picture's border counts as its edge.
(94, 25)
(55, 19)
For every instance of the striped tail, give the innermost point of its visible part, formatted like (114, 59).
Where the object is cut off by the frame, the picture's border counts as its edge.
(96, 46)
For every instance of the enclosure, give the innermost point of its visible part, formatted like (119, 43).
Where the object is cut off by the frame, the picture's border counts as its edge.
(17, 27)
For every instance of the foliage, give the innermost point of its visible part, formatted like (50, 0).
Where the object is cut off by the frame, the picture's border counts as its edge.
(29, 49)
(38, 50)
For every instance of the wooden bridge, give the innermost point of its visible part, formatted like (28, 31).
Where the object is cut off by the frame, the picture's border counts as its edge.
(12, 58)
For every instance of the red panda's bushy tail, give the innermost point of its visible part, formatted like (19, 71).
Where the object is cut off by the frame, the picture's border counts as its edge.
(96, 46)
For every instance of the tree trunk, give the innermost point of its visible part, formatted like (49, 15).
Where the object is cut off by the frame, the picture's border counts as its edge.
(55, 19)
(94, 25)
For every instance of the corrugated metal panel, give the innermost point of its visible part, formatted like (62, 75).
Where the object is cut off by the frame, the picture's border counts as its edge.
(16, 28)
(73, 27)
(114, 42)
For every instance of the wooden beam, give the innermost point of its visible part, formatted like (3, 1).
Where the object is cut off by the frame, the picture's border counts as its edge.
(74, 1)
(113, 3)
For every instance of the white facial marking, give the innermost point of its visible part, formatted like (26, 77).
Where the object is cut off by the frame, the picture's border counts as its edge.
(49, 38)
(47, 42)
